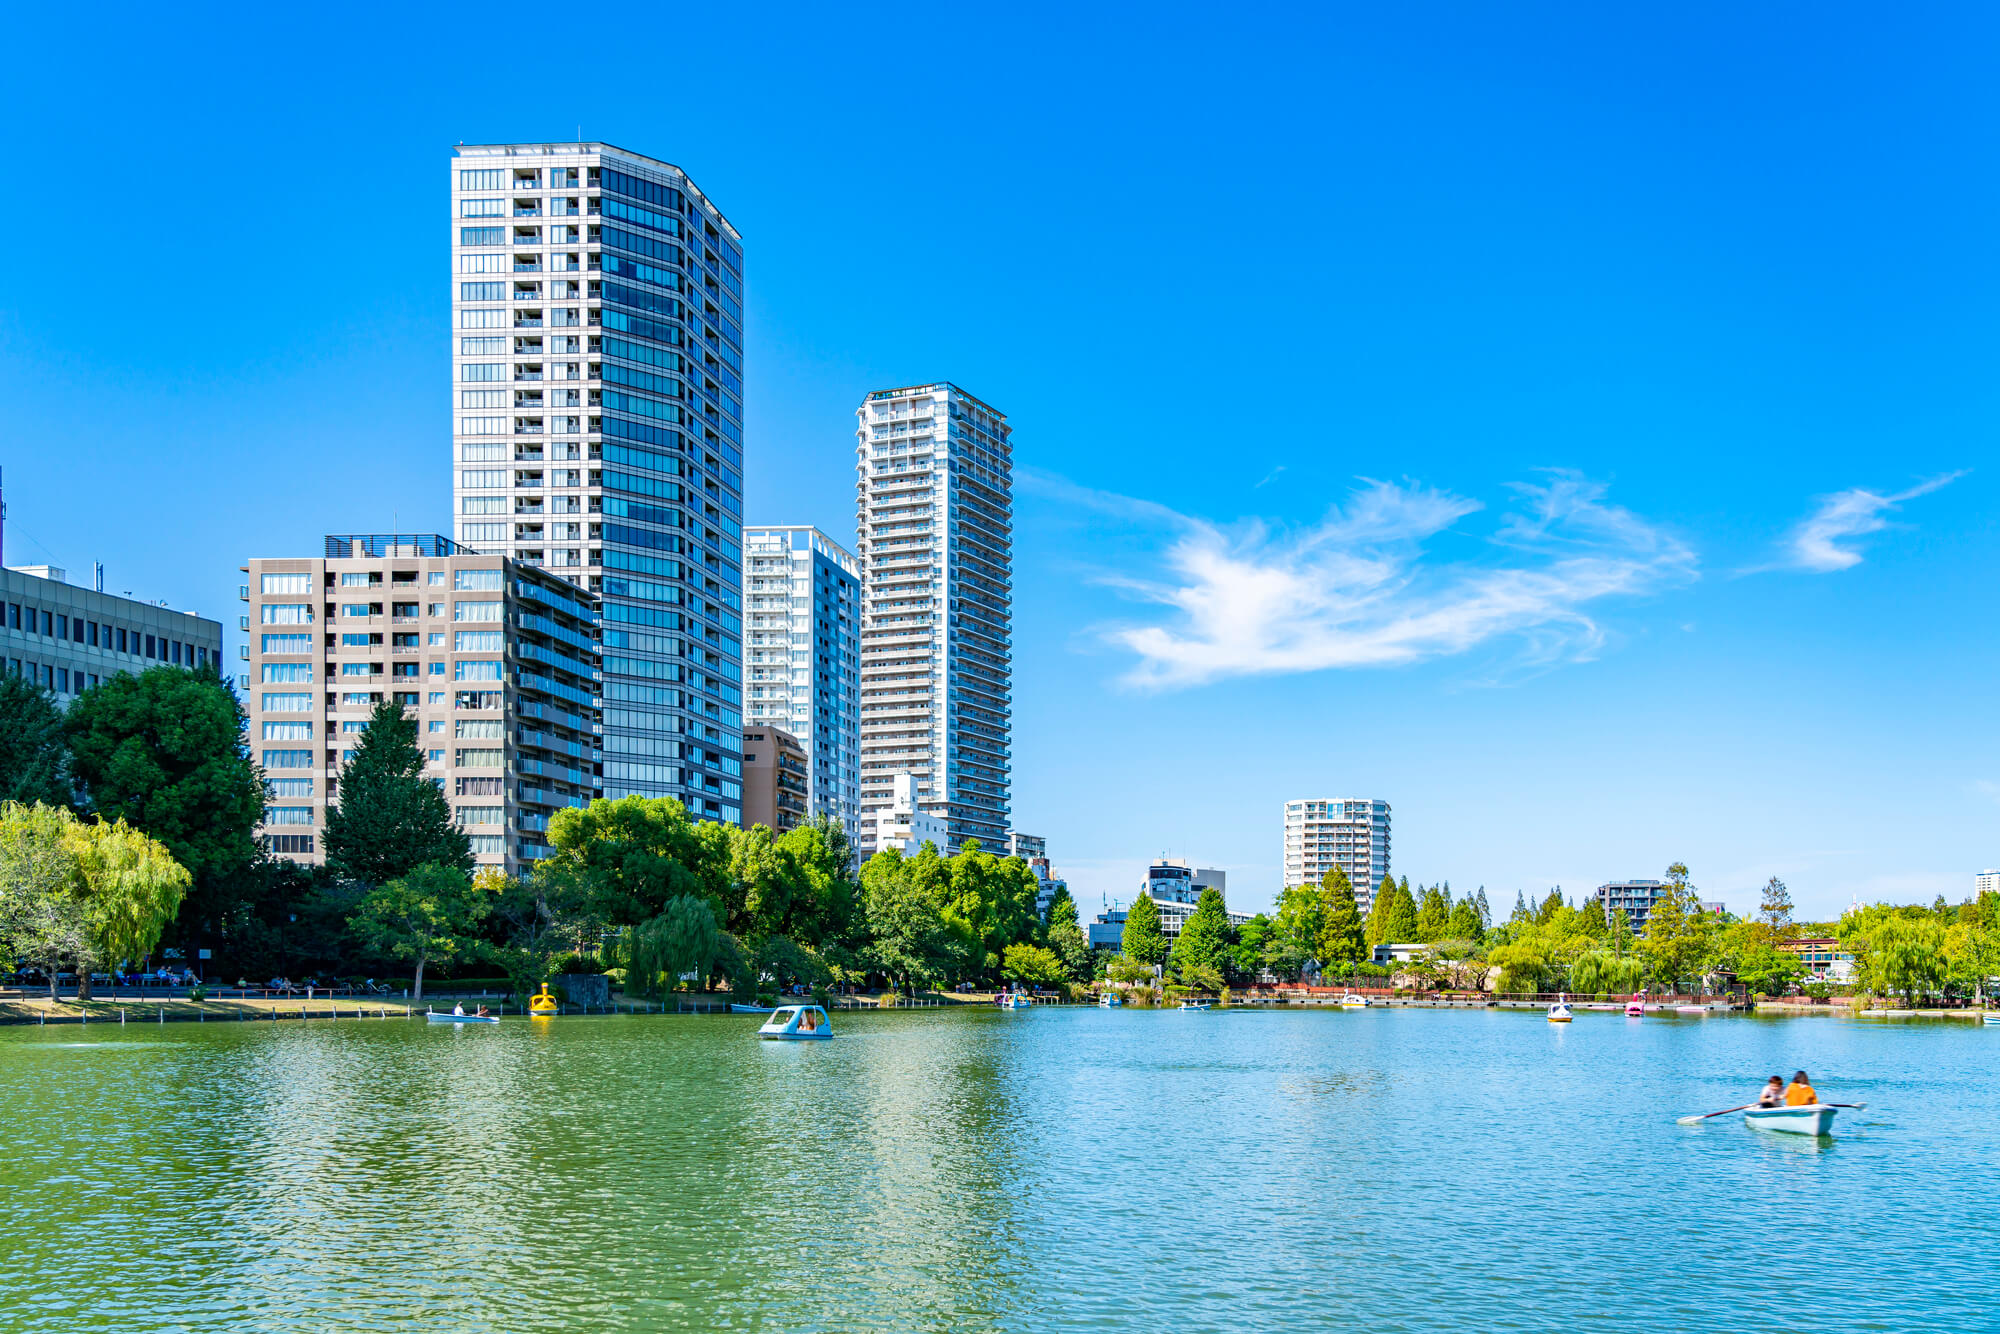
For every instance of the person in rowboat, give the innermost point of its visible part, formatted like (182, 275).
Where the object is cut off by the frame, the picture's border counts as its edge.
(458, 1008)
(1801, 1093)
(1773, 1094)
(484, 1012)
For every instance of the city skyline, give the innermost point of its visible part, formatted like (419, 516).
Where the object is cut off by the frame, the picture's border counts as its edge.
(1607, 503)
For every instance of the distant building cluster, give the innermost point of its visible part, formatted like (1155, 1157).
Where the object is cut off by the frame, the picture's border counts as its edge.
(1175, 888)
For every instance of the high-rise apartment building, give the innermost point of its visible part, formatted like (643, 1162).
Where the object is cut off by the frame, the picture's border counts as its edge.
(1351, 834)
(935, 514)
(495, 659)
(597, 386)
(803, 652)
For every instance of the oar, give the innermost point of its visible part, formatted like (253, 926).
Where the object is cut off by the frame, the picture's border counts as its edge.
(1857, 1106)
(1692, 1120)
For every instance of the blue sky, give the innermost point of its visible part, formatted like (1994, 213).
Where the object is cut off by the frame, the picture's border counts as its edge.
(1575, 428)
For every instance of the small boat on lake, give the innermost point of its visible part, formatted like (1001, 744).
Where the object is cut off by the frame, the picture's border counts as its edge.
(1196, 1003)
(797, 1023)
(1808, 1119)
(1635, 1009)
(1353, 1002)
(1110, 1000)
(543, 1005)
(1559, 1013)
(750, 1009)
(1991, 1017)
(1013, 1000)
(436, 1018)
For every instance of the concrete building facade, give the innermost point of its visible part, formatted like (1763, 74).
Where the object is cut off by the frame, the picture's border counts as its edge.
(803, 652)
(1352, 834)
(68, 639)
(495, 659)
(597, 386)
(934, 511)
(905, 824)
(776, 791)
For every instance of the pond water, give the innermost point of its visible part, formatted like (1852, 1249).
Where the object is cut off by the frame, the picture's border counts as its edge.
(1053, 1169)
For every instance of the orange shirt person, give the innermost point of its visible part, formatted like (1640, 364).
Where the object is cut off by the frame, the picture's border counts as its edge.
(1801, 1092)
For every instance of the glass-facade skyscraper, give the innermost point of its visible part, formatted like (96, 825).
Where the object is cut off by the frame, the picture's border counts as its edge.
(935, 509)
(597, 401)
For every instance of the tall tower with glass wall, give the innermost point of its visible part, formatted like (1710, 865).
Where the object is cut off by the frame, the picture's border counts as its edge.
(934, 505)
(597, 399)
(804, 655)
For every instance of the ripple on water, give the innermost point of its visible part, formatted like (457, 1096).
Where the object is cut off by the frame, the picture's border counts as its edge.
(1054, 1170)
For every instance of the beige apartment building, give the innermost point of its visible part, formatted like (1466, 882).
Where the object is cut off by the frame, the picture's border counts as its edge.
(497, 660)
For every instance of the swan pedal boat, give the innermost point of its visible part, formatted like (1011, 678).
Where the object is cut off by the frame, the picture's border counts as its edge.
(1809, 1119)
(1559, 1013)
(797, 1023)
(436, 1018)
(1353, 1002)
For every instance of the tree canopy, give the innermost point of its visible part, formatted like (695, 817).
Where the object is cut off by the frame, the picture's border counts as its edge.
(1142, 941)
(34, 754)
(391, 819)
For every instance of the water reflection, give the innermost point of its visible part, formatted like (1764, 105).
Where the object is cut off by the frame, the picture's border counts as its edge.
(1051, 1170)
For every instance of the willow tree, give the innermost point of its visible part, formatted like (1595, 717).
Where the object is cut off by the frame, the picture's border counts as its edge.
(82, 893)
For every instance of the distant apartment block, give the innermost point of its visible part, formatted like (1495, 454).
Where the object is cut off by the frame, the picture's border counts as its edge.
(803, 651)
(1636, 899)
(1034, 850)
(496, 660)
(1352, 834)
(934, 508)
(775, 790)
(1986, 882)
(904, 824)
(597, 387)
(68, 639)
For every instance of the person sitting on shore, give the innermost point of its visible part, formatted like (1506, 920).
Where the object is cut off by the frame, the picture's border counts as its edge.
(1801, 1093)
(1773, 1094)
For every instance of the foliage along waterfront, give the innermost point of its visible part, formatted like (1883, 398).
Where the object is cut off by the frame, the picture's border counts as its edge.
(637, 888)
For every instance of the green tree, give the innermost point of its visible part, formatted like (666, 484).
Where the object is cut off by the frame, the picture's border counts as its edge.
(163, 750)
(1034, 965)
(1253, 944)
(1066, 938)
(428, 915)
(1546, 910)
(1433, 915)
(1590, 919)
(1205, 938)
(1908, 956)
(391, 819)
(1341, 937)
(683, 940)
(82, 893)
(1485, 912)
(1399, 925)
(1774, 913)
(1602, 971)
(1142, 941)
(619, 863)
(34, 753)
(904, 900)
(1676, 944)
(1464, 923)
(1295, 931)
(1373, 931)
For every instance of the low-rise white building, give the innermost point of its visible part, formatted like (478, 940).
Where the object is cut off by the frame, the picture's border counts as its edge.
(903, 824)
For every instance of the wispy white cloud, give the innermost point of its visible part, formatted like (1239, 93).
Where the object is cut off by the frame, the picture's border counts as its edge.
(1359, 588)
(1816, 543)
(1269, 477)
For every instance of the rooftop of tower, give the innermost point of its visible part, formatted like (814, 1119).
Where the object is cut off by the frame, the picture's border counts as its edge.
(596, 146)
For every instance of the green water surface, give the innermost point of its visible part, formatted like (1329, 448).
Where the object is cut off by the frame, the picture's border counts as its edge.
(1383, 1171)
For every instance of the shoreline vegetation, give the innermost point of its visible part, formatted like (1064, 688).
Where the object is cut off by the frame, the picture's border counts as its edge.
(128, 829)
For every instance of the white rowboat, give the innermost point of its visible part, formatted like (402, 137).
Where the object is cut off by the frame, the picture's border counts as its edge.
(751, 1009)
(1194, 1005)
(436, 1018)
(1810, 1119)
